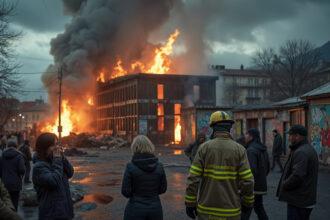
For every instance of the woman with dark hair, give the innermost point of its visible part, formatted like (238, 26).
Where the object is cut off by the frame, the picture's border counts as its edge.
(51, 174)
(259, 163)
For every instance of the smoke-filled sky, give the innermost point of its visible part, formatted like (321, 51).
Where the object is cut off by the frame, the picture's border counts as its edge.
(216, 31)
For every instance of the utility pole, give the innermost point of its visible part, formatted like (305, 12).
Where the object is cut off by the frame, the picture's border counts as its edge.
(59, 128)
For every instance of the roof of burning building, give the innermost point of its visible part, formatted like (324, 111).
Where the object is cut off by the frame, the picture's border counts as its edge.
(158, 77)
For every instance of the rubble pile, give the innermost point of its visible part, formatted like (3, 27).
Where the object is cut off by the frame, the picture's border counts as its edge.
(85, 140)
(29, 195)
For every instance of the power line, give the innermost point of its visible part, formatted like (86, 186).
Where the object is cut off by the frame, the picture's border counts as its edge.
(34, 58)
(31, 73)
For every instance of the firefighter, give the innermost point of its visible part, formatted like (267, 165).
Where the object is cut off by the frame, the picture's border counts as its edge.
(220, 181)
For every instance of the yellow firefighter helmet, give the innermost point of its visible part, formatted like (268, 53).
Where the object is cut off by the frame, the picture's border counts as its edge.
(220, 116)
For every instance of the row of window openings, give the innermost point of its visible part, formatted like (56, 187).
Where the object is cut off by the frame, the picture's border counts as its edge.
(160, 92)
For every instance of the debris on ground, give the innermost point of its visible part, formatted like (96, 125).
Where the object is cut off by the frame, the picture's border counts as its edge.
(69, 152)
(29, 195)
(86, 140)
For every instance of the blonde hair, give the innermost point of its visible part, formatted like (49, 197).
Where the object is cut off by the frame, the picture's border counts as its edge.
(142, 144)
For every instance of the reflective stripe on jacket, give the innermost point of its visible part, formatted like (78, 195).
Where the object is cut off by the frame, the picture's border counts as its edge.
(220, 178)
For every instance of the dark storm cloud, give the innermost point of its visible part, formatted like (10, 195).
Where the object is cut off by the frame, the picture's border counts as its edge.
(40, 15)
(236, 19)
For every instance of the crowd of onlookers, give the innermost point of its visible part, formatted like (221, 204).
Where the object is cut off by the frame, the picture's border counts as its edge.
(15, 159)
(227, 179)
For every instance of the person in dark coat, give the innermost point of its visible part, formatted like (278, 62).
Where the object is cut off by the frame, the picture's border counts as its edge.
(192, 149)
(259, 163)
(298, 184)
(50, 176)
(13, 169)
(277, 150)
(25, 150)
(7, 209)
(144, 180)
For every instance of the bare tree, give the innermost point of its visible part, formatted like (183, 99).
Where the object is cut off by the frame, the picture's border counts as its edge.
(9, 108)
(9, 79)
(290, 69)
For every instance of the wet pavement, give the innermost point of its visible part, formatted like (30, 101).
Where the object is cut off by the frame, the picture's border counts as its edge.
(101, 177)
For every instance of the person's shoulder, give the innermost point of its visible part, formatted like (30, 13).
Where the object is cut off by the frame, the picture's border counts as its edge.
(39, 164)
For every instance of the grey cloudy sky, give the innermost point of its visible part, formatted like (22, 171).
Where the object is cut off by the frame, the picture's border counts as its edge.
(234, 30)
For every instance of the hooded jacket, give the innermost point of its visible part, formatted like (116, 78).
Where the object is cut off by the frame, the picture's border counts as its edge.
(13, 169)
(144, 180)
(50, 179)
(259, 163)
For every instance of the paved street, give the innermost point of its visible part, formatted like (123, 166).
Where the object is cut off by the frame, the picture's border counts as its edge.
(102, 178)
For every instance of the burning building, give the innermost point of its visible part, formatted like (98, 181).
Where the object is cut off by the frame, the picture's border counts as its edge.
(151, 104)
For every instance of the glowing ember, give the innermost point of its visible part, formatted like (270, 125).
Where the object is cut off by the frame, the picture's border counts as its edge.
(66, 119)
(177, 152)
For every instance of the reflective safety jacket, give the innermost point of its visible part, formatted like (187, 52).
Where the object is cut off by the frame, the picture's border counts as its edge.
(220, 179)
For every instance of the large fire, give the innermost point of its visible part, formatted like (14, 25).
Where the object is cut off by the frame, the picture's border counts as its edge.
(66, 120)
(160, 63)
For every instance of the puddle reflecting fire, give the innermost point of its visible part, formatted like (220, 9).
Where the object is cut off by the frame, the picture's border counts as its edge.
(178, 152)
(98, 198)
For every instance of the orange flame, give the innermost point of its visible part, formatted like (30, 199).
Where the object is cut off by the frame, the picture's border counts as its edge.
(177, 123)
(118, 70)
(161, 62)
(66, 119)
(177, 130)
(101, 77)
(90, 101)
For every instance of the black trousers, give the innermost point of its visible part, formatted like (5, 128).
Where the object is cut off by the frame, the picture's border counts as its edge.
(277, 159)
(258, 208)
(296, 213)
(14, 196)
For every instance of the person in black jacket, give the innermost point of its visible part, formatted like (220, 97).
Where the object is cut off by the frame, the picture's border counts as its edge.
(50, 176)
(13, 169)
(192, 149)
(259, 163)
(277, 150)
(144, 180)
(298, 184)
(25, 150)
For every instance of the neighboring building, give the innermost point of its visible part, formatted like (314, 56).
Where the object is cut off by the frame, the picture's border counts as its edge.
(267, 117)
(29, 115)
(241, 86)
(319, 120)
(151, 104)
(196, 120)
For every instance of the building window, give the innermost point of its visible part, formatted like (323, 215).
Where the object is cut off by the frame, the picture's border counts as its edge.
(160, 91)
(160, 117)
(196, 90)
(177, 123)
